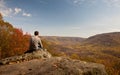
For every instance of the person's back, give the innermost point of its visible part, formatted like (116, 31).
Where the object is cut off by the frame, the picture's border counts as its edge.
(35, 42)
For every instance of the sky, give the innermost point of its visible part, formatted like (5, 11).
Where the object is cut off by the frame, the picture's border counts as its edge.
(74, 18)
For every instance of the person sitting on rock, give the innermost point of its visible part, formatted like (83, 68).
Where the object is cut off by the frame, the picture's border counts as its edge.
(35, 42)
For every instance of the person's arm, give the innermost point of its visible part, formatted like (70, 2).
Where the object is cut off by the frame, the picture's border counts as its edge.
(41, 43)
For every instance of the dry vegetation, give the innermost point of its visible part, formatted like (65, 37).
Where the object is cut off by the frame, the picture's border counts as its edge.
(102, 48)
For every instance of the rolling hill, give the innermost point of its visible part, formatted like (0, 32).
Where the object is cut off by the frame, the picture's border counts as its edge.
(101, 48)
(64, 41)
(105, 39)
(59, 45)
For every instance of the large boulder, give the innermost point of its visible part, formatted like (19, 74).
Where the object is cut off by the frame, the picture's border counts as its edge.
(25, 57)
(53, 66)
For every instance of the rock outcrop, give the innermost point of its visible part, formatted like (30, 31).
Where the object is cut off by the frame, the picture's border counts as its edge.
(25, 57)
(53, 66)
(49, 66)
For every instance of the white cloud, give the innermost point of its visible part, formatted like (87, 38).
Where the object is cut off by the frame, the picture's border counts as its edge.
(17, 10)
(42, 2)
(4, 10)
(26, 14)
(79, 2)
(111, 3)
(8, 12)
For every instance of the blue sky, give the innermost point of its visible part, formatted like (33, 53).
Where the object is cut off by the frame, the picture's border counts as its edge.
(76, 18)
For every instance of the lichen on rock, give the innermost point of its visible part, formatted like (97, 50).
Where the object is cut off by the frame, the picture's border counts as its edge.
(27, 56)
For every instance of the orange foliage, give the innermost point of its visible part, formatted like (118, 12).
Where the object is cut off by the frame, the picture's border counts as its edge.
(12, 40)
(20, 42)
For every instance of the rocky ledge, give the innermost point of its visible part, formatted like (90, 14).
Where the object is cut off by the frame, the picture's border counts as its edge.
(39, 54)
(51, 66)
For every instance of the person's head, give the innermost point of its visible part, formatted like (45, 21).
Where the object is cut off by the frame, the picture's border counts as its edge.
(36, 33)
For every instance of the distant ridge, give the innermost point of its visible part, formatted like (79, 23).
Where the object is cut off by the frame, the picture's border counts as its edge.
(106, 39)
(63, 40)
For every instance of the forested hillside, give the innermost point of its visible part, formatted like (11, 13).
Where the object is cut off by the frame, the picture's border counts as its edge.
(101, 48)
(12, 40)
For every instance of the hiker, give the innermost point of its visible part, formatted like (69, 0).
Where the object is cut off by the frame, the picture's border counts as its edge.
(35, 42)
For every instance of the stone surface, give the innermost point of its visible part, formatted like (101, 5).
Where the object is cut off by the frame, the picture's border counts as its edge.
(25, 57)
(53, 66)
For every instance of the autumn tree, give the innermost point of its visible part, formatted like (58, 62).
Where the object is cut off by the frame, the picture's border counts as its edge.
(12, 40)
(5, 37)
(1, 18)
(20, 42)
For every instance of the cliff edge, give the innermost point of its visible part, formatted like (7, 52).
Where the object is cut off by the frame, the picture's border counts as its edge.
(47, 65)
